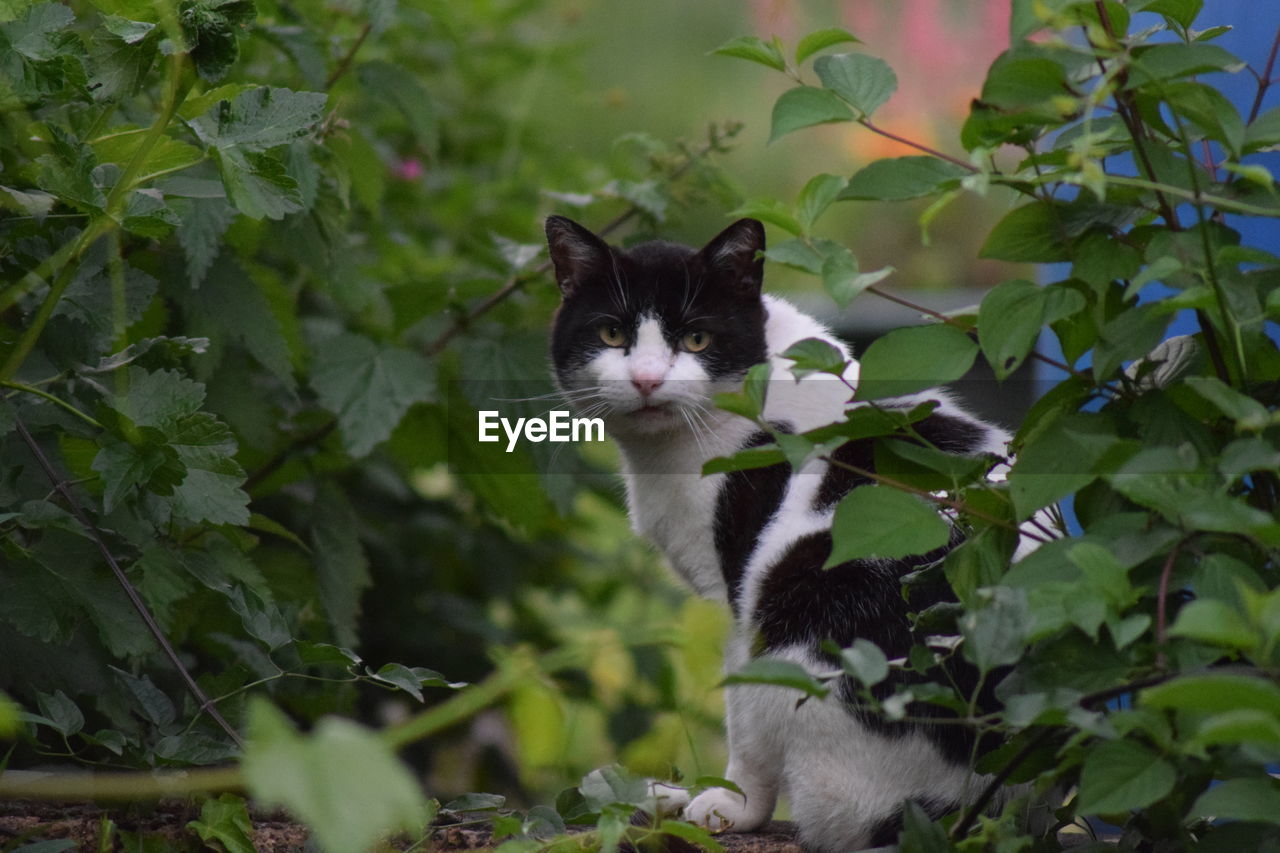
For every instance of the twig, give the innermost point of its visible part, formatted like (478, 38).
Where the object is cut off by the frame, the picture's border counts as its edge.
(269, 467)
(1162, 595)
(933, 152)
(57, 401)
(74, 504)
(344, 64)
(517, 281)
(1265, 81)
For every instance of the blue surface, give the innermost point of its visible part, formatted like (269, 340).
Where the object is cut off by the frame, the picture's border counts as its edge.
(1254, 26)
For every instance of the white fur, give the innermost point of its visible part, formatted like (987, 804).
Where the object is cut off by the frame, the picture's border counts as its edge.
(841, 777)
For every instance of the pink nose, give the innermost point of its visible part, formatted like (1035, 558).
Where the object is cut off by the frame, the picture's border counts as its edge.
(646, 385)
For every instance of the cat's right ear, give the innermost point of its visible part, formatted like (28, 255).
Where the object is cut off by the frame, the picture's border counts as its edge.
(576, 252)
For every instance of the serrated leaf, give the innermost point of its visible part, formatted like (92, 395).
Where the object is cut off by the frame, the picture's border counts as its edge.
(341, 564)
(258, 184)
(368, 386)
(882, 522)
(821, 40)
(865, 82)
(200, 234)
(211, 28)
(154, 706)
(59, 710)
(753, 49)
(342, 780)
(914, 358)
(805, 106)
(902, 178)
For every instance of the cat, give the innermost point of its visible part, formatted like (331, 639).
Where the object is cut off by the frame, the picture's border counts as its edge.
(643, 338)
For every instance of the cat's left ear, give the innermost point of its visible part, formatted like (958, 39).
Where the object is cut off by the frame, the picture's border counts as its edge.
(733, 253)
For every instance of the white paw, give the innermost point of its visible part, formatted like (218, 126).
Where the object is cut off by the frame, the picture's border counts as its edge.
(722, 810)
(668, 800)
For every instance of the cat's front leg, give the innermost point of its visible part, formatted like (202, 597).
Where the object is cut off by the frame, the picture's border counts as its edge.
(756, 735)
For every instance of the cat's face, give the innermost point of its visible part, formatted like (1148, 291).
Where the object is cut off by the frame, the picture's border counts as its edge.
(645, 336)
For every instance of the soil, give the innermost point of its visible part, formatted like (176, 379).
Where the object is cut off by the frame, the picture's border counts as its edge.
(22, 822)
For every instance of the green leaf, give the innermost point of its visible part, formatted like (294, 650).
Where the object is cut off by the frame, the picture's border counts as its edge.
(744, 460)
(798, 255)
(914, 358)
(369, 386)
(155, 707)
(1255, 800)
(614, 785)
(753, 49)
(1009, 322)
(476, 803)
(125, 467)
(882, 522)
(815, 197)
(1216, 623)
(749, 402)
(226, 820)
(341, 565)
(1120, 775)
(35, 36)
(1241, 726)
(1247, 412)
(1216, 692)
(59, 710)
(821, 40)
(413, 679)
(1032, 233)
(211, 28)
(1058, 461)
(342, 780)
(698, 836)
(814, 355)
(1167, 61)
(1182, 11)
(772, 211)
(200, 235)
(805, 106)
(996, 634)
(901, 178)
(866, 662)
(865, 82)
(257, 184)
(778, 673)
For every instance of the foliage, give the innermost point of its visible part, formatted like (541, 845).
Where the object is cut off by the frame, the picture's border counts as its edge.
(1136, 661)
(251, 252)
(262, 264)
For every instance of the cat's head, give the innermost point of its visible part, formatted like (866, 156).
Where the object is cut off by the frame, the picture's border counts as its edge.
(645, 336)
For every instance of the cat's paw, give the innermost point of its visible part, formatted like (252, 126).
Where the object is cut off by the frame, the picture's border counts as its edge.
(722, 810)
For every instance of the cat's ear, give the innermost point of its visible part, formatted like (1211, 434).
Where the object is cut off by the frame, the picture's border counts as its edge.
(576, 253)
(733, 253)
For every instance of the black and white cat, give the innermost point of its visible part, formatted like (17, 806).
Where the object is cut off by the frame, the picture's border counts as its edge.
(644, 338)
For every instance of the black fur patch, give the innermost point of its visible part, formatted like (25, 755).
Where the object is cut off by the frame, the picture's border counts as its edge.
(800, 603)
(746, 503)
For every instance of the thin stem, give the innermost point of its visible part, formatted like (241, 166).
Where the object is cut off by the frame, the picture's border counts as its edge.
(1194, 196)
(933, 152)
(81, 516)
(959, 506)
(976, 808)
(1265, 81)
(344, 65)
(28, 389)
(269, 467)
(516, 282)
(126, 785)
(1162, 596)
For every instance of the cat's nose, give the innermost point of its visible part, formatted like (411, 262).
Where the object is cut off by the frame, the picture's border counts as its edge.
(646, 385)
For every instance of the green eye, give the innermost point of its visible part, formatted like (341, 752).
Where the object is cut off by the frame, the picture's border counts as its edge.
(696, 341)
(613, 335)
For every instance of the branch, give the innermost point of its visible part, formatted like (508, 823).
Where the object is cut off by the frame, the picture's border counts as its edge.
(1162, 594)
(269, 467)
(918, 146)
(344, 64)
(517, 281)
(1265, 81)
(81, 516)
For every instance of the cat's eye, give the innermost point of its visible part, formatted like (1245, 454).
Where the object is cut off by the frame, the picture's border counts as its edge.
(613, 335)
(696, 341)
